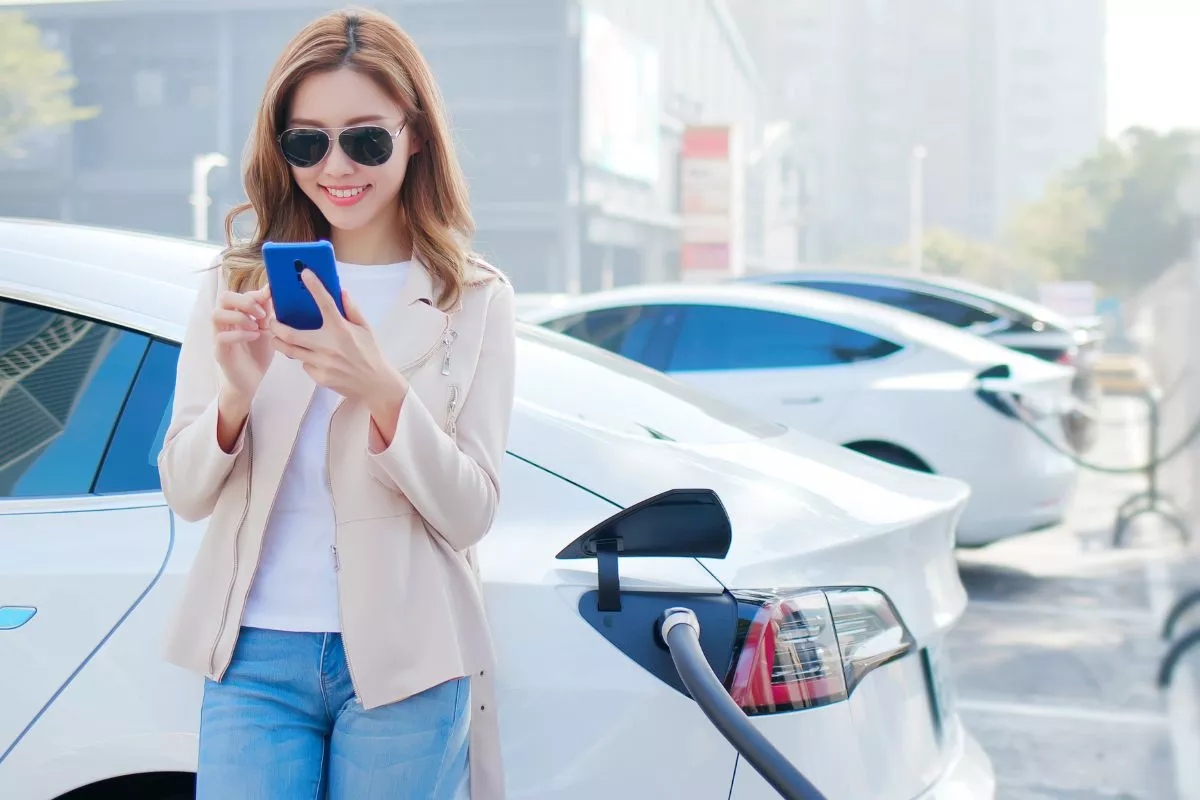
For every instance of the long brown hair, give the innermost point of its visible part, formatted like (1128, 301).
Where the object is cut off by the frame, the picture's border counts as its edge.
(433, 198)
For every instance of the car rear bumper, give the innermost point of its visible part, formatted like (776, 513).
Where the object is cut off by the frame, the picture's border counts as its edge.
(969, 776)
(1028, 490)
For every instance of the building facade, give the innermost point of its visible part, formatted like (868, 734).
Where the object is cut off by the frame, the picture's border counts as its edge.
(573, 163)
(999, 95)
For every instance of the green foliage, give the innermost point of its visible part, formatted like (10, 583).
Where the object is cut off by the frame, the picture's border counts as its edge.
(35, 84)
(1114, 218)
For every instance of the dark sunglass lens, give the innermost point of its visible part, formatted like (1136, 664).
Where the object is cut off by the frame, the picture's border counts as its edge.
(369, 145)
(304, 147)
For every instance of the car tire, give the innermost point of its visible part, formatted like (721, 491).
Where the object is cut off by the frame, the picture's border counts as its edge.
(891, 454)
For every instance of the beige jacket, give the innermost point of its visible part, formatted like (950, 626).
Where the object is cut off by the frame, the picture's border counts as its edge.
(407, 517)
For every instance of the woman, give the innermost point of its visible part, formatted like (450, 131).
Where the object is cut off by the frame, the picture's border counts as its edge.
(347, 472)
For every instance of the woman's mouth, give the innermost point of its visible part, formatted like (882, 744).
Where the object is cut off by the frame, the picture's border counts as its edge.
(345, 195)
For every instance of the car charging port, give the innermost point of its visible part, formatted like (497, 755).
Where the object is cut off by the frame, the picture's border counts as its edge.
(679, 631)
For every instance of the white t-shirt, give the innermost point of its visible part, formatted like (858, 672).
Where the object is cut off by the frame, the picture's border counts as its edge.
(295, 588)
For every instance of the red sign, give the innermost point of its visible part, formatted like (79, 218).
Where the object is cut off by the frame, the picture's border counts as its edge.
(700, 256)
(706, 142)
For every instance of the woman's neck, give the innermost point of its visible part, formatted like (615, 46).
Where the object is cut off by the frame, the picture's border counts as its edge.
(385, 241)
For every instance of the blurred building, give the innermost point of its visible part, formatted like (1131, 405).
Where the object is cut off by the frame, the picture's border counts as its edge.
(570, 117)
(1001, 94)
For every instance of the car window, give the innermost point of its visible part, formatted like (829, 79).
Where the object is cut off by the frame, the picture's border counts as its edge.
(63, 383)
(735, 338)
(952, 312)
(625, 330)
(578, 383)
(131, 463)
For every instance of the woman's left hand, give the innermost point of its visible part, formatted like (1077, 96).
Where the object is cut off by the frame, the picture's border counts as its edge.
(342, 354)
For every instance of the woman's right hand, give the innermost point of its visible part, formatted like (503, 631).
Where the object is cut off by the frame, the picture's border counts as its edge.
(242, 343)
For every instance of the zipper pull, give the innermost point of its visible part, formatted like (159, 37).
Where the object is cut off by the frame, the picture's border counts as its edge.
(337, 565)
(448, 339)
(452, 411)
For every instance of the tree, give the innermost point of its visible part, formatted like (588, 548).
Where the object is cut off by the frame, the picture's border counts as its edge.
(35, 85)
(1052, 234)
(1113, 218)
(1143, 232)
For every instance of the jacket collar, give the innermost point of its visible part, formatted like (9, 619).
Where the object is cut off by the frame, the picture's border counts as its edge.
(413, 325)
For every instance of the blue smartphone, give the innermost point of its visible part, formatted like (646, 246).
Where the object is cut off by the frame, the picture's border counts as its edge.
(294, 304)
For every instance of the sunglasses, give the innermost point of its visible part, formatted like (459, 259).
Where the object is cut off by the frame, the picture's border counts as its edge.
(369, 145)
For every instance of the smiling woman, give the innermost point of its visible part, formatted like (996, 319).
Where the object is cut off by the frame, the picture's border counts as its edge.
(347, 470)
(355, 120)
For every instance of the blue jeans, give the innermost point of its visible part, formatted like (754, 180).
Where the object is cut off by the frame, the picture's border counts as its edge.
(284, 724)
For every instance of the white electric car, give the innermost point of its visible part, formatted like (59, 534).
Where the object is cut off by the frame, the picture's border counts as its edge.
(823, 609)
(887, 383)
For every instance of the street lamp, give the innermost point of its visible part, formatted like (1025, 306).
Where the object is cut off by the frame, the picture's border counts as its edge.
(916, 209)
(201, 166)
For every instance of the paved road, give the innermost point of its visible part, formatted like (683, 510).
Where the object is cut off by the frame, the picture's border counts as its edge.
(1056, 655)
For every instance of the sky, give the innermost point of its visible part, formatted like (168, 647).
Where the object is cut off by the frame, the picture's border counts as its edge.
(1153, 64)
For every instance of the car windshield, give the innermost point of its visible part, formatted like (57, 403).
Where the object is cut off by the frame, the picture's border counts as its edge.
(575, 381)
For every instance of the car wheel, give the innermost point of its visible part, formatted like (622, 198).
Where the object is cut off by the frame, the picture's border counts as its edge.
(891, 454)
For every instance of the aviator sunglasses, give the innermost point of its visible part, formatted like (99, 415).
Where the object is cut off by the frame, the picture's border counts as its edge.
(368, 145)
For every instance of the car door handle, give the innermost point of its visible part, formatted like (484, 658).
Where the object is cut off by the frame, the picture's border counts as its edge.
(802, 401)
(13, 617)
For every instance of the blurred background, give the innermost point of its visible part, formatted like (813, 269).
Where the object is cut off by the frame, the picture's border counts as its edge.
(1022, 143)
(1047, 148)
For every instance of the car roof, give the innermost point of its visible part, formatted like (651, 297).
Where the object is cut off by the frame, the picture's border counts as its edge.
(124, 277)
(874, 318)
(811, 301)
(964, 291)
(150, 256)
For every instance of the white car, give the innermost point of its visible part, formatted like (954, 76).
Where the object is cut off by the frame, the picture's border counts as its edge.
(825, 617)
(884, 382)
(1003, 317)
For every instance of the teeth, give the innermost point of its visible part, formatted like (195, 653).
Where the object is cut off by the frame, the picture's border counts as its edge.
(345, 192)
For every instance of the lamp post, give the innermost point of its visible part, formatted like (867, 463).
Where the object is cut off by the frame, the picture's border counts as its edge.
(916, 209)
(201, 166)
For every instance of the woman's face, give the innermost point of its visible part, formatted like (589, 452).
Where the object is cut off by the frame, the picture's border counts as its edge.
(349, 194)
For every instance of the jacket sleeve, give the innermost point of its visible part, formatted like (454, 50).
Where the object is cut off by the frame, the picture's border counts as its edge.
(454, 485)
(192, 466)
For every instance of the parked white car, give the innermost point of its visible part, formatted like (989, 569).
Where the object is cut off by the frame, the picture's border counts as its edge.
(1003, 317)
(826, 617)
(887, 383)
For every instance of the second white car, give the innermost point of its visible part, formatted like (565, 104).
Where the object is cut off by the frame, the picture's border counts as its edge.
(887, 383)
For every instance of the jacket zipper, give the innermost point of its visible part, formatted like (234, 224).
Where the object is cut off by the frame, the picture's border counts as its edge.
(337, 563)
(258, 560)
(212, 655)
(452, 411)
(448, 336)
(448, 340)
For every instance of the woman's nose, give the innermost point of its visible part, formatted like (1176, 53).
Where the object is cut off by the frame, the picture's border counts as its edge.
(337, 162)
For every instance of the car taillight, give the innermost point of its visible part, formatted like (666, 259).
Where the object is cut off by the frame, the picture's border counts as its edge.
(812, 647)
(1066, 358)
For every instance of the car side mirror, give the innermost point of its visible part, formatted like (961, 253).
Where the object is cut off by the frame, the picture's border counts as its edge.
(679, 523)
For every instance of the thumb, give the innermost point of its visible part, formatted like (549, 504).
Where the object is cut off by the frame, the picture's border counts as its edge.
(353, 312)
